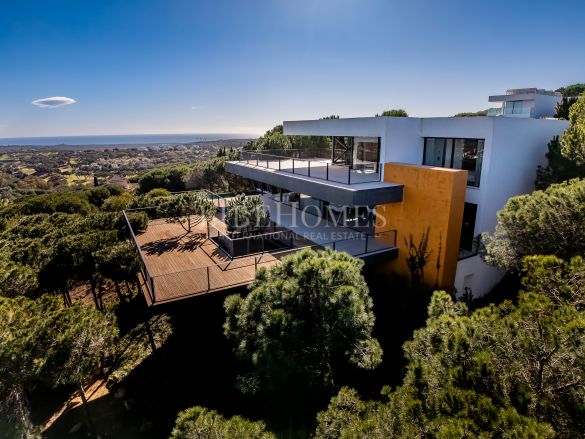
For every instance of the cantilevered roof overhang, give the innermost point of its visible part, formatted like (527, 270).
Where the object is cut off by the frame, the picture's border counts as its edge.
(358, 194)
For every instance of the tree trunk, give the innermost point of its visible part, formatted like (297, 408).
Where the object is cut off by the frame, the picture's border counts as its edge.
(129, 289)
(101, 295)
(89, 422)
(94, 294)
(119, 292)
(66, 298)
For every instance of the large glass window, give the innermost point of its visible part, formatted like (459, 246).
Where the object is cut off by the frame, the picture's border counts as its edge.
(311, 205)
(464, 154)
(513, 107)
(435, 152)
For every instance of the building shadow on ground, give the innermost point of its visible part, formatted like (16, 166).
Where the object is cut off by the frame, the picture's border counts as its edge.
(196, 366)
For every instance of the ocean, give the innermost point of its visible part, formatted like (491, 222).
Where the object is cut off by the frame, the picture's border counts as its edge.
(127, 139)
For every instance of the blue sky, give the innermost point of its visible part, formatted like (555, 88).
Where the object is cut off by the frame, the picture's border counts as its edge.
(218, 66)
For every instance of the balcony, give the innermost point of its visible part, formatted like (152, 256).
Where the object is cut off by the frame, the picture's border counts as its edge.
(314, 174)
(291, 161)
(175, 265)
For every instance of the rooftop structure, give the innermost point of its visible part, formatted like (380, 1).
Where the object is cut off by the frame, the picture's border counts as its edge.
(527, 102)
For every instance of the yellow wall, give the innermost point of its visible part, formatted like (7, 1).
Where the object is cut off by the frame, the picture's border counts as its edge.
(433, 197)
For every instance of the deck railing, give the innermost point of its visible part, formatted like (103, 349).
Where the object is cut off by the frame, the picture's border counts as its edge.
(143, 267)
(242, 270)
(365, 243)
(203, 280)
(362, 172)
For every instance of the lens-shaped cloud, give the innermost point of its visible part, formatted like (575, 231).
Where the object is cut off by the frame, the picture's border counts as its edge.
(55, 101)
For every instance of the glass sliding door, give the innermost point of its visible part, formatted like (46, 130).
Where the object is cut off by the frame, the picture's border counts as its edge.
(366, 153)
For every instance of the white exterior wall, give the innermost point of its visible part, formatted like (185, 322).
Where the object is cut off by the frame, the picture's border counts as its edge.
(402, 141)
(357, 127)
(544, 105)
(516, 148)
(477, 275)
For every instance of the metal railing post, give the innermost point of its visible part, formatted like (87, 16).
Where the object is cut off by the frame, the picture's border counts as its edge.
(208, 280)
(309, 169)
(366, 243)
(349, 175)
(327, 171)
(279, 163)
(151, 286)
(293, 160)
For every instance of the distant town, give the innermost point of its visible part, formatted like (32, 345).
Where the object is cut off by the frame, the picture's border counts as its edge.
(36, 169)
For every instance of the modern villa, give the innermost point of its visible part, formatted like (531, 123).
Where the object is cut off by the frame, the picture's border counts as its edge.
(388, 190)
(443, 178)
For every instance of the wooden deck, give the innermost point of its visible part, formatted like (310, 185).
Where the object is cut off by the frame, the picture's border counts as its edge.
(181, 265)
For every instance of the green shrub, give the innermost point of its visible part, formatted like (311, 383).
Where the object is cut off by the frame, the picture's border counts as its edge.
(158, 192)
(138, 221)
(170, 178)
(201, 423)
(246, 214)
(117, 203)
(66, 202)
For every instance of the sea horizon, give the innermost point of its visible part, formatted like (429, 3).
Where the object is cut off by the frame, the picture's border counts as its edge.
(118, 139)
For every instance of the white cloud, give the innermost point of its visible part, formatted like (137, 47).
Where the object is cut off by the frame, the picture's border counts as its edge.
(55, 101)
(195, 108)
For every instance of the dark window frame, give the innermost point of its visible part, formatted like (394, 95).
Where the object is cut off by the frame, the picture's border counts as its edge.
(450, 166)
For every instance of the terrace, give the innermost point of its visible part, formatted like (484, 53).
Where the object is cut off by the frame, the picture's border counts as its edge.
(344, 178)
(314, 164)
(175, 265)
